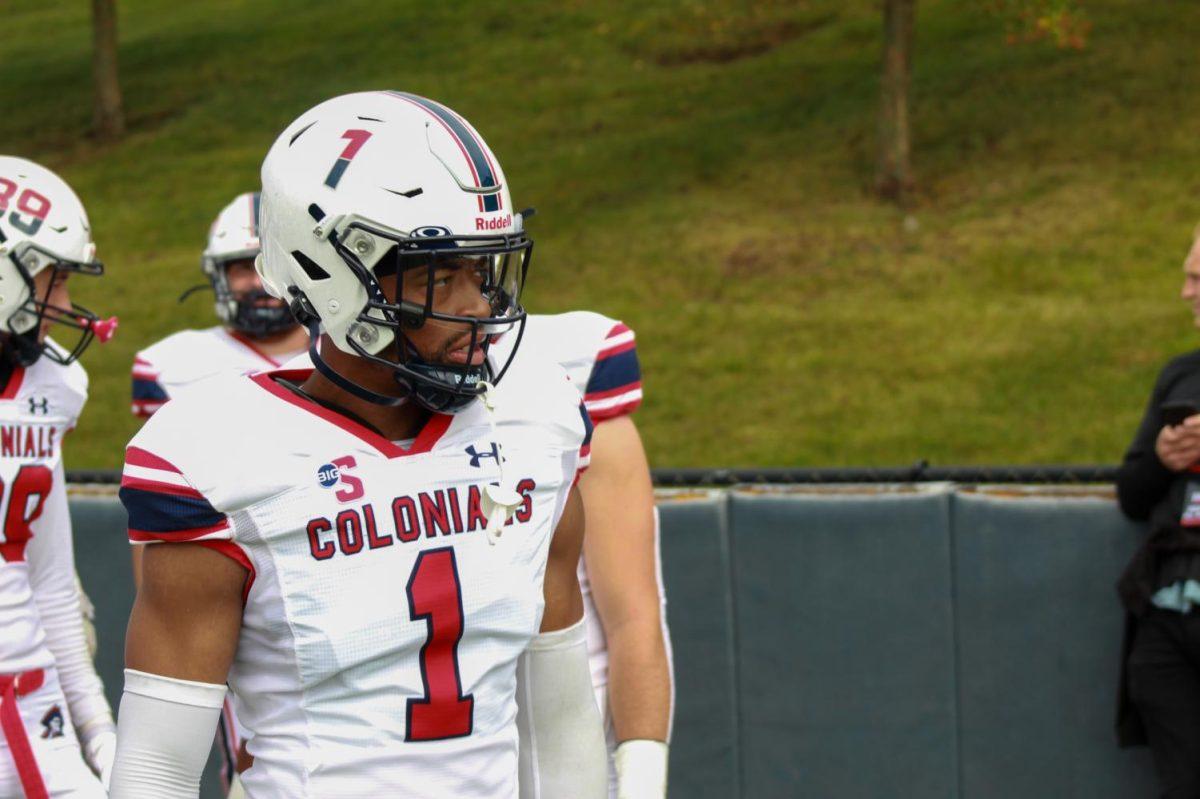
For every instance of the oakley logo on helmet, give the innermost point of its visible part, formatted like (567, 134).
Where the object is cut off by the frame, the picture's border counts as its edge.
(431, 231)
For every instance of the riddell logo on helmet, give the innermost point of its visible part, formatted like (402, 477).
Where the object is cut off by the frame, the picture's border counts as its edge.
(498, 223)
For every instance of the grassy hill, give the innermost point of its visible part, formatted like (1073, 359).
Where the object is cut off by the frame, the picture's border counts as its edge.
(701, 170)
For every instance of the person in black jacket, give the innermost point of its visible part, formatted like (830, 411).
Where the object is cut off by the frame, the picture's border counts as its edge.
(1159, 481)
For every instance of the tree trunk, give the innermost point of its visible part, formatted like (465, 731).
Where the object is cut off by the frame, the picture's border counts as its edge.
(894, 180)
(108, 116)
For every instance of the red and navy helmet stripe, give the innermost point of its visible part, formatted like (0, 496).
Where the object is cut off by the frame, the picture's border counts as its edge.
(472, 148)
(335, 173)
(355, 139)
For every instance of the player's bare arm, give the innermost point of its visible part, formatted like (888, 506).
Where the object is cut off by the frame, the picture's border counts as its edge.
(622, 566)
(187, 613)
(183, 633)
(564, 604)
(621, 558)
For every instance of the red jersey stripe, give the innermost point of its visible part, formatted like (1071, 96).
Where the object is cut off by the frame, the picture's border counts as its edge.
(238, 555)
(437, 424)
(615, 411)
(137, 456)
(129, 481)
(616, 349)
(14, 384)
(593, 396)
(176, 536)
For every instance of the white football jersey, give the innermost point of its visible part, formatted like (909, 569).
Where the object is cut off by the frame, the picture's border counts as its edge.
(382, 626)
(38, 407)
(600, 355)
(181, 361)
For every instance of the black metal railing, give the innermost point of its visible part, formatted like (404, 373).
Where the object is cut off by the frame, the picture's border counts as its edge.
(919, 472)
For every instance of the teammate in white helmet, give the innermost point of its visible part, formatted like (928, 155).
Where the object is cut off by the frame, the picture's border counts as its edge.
(53, 713)
(257, 331)
(629, 647)
(379, 553)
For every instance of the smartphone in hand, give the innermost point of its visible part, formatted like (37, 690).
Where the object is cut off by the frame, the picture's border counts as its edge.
(1175, 411)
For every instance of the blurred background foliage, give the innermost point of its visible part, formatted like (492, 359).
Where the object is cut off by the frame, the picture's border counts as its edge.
(703, 171)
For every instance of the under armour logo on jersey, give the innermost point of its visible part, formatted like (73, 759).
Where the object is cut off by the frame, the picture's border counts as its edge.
(52, 723)
(39, 406)
(476, 456)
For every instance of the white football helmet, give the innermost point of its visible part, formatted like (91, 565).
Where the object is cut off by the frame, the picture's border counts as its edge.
(234, 237)
(377, 183)
(42, 225)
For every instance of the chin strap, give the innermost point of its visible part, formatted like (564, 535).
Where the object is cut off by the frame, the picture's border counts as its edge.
(342, 382)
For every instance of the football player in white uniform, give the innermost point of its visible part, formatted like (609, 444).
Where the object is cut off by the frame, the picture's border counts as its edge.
(379, 553)
(257, 331)
(52, 703)
(629, 647)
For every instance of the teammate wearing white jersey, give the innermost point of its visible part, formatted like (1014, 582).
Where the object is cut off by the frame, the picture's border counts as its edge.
(629, 646)
(380, 554)
(51, 701)
(257, 331)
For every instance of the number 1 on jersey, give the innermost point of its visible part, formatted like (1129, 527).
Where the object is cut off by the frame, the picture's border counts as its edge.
(435, 595)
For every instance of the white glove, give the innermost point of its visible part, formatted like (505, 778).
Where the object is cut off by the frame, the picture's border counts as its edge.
(236, 791)
(100, 750)
(88, 611)
(641, 769)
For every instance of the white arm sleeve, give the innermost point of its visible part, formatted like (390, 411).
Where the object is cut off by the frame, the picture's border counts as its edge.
(561, 737)
(165, 733)
(51, 557)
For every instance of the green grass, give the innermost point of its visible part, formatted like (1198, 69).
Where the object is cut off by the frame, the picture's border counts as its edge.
(702, 171)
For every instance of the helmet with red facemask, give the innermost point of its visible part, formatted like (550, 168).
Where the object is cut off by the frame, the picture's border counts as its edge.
(43, 226)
